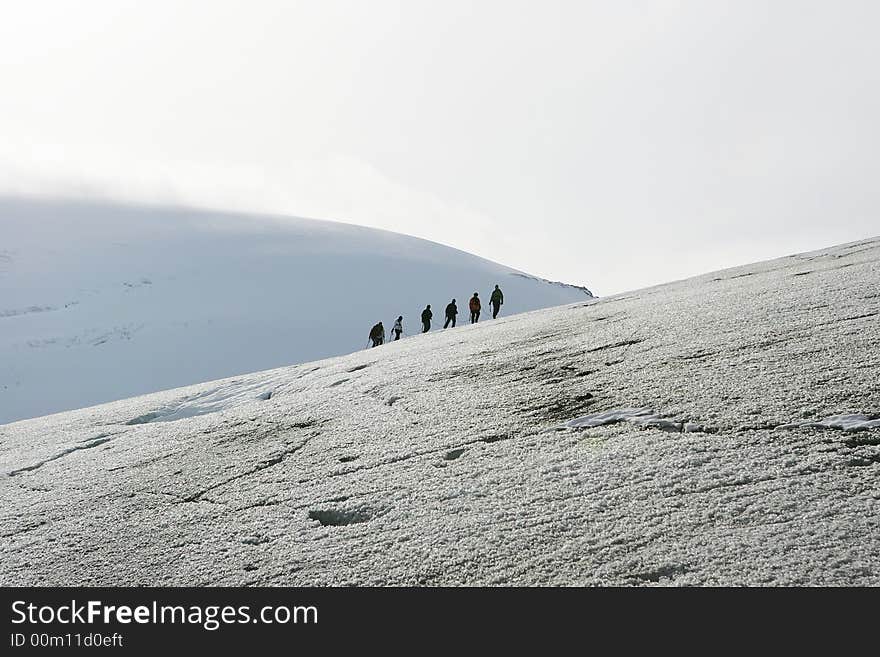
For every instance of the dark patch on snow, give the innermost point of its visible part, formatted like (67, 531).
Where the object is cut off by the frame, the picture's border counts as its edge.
(667, 571)
(340, 517)
(697, 355)
(851, 253)
(495, 438)
(348, 458)
(265, 396)
(615, 345)
(863, 460)
(863, 439)
(571, 370)
(761, 426)
(453, 454)
(145, 418)
(337, 383)
(561, 406)
(854, 317)
(856, 245)
(357, 368)
(802, 273)
(392, 399)
(29, 528)
(730, 278)
(303, 424)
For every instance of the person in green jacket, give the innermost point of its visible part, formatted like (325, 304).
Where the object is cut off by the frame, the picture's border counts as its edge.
(497, 300)
(377, 334)
(451, 312)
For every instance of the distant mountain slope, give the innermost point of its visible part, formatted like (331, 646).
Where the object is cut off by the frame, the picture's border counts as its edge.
(101, 301)
(722, 430)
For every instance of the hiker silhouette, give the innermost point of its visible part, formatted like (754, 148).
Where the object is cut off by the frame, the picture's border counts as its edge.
(377, 334)
(426, 319)
(451, 312)
(474, 305)
(497, 300)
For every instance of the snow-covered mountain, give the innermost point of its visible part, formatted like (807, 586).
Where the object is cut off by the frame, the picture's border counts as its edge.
(101, 301)
(714, 431)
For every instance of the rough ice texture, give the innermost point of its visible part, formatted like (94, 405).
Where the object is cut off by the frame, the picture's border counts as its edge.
(853, 422)
(101, 302)
(444, 459)
(643, 417)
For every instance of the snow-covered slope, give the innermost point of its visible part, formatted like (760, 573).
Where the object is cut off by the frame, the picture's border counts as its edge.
(101, 302)
(718, 430)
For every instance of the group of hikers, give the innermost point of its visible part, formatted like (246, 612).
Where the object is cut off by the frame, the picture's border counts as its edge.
(377, 333)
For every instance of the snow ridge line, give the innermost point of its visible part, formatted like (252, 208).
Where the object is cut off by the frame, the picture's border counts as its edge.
(95, 442)
(273, 460)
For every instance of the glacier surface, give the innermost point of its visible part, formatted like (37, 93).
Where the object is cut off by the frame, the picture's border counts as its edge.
(715, 446)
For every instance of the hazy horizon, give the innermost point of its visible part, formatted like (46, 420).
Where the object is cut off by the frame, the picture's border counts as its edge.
(126, 204)
(608, 145)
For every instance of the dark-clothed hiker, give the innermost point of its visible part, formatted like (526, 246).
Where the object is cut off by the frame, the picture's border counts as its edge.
(497, 301)
(474, 305)
(451, 312)
(377, 334)
(426, 319)
(397, 329)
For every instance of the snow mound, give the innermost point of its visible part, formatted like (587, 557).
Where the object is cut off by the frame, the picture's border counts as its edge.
(854, 422)
(101, 302)
(213, 400)
(643, 417)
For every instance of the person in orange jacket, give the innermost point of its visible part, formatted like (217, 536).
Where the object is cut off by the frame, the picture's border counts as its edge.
(475, 307)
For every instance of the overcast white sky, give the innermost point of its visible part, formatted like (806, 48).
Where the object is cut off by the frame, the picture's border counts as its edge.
(614, 144)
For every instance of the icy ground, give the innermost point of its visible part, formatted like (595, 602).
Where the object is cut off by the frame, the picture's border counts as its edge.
(727, 434)
(101, 301)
